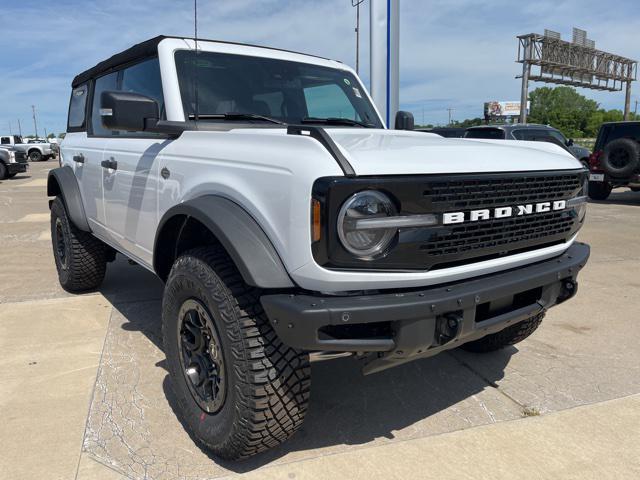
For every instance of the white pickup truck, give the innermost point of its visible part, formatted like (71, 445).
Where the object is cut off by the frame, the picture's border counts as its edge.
(290, 224)
(36, 152)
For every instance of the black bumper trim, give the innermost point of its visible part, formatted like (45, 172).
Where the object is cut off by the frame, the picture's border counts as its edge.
(16, 167)
(414, 314)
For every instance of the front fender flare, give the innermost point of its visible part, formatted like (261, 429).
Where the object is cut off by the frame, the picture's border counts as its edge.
(62, 181)
(240, 235)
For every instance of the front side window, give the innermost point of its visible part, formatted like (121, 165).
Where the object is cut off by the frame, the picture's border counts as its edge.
(287, 91)
(144, 78)
(77, 107)
(102, 84)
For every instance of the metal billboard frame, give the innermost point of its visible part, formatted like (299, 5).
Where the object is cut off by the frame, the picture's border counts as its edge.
(576, 63)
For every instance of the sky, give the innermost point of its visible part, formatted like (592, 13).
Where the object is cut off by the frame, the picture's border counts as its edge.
(453, 53)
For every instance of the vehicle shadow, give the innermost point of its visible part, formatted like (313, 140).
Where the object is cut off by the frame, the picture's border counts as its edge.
(346, 408)
(620, 197)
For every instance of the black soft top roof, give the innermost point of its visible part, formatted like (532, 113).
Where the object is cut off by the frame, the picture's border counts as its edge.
(146, 49)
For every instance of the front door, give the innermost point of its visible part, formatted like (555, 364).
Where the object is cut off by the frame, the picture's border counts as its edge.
(130, 170)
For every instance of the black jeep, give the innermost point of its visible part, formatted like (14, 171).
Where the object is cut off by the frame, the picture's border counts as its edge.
(615, 161)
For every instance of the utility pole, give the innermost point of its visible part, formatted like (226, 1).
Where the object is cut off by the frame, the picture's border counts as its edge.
(35, 125)
(635, 110)
(19, 128)
(423, 115)
(10, 130)
(450, 110)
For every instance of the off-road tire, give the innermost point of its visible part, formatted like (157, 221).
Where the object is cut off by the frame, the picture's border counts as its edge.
(599, 190)
(509, 336)
(84, 263)
(3, 171)
(620, 157)
(267, 383)
(35, 156)
(11, 175)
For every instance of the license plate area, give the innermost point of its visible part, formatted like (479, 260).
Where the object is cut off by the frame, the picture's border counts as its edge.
(596, 177)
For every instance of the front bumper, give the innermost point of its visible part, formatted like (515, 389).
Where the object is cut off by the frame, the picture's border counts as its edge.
(405, 325)
(16, 168)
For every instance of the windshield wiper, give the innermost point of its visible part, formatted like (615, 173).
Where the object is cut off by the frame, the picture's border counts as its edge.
(336, 121)
(235, 116)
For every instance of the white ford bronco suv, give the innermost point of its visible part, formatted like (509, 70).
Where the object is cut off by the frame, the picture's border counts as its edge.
(290, 224)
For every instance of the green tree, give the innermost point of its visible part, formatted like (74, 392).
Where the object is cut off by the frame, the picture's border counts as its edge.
(562, 108)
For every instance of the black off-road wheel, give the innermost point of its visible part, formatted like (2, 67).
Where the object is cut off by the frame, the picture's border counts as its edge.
(239, 390)
(599, 190)
(80, 257)
(509, 336)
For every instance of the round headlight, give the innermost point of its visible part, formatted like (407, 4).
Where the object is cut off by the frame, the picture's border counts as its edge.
(355, 236)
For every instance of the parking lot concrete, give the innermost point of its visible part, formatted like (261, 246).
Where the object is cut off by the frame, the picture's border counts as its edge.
(85, 393)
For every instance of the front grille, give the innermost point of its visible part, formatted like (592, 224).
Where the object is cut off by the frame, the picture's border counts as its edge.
(502, 233)
(442, 246)
(493, 192)
(21, 157)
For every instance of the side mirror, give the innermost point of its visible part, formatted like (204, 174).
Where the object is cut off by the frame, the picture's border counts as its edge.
(404, 120)
(570, 142)
(128, 111)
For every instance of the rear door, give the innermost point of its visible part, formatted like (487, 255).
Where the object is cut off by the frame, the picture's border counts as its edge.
(130, 187)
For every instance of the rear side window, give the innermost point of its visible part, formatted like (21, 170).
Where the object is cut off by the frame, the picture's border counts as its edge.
(490, 133)
(77, 108)
(5, 141)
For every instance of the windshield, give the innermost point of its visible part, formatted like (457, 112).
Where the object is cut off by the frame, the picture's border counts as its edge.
(287, 91)
(492, 133)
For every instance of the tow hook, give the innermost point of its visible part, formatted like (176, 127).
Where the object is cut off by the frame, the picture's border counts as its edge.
(569, 289)
(448, 327)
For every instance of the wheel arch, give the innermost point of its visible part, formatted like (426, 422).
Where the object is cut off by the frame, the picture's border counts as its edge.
(62, 182)
(209, 219)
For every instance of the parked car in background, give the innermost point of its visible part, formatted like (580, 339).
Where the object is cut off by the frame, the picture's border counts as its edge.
(12, 162)
(35, 151)
(447, 132)
(531, 132)
(615, 161)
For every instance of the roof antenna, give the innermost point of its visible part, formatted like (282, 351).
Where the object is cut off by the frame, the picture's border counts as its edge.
(195, 28)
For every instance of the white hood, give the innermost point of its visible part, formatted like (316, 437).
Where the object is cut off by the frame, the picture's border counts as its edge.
(393, 152)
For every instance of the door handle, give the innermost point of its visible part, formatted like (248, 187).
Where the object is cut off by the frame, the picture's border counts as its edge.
(111, 164)
(78, 158)
(165, 173)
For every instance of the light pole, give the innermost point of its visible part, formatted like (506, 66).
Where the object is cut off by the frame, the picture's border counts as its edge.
(19, 128)
(35, 125)
(356, 4)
